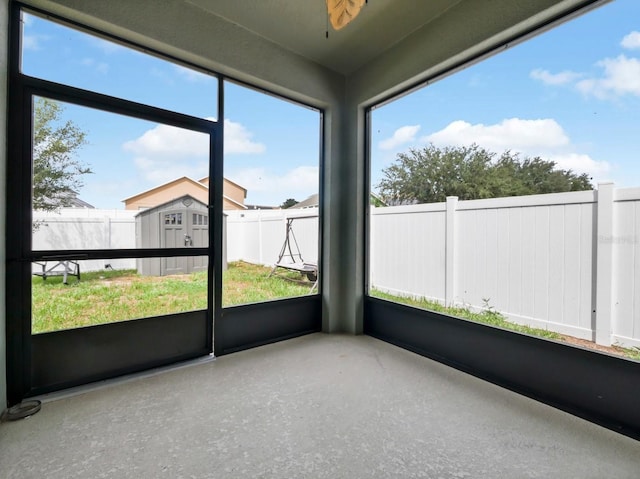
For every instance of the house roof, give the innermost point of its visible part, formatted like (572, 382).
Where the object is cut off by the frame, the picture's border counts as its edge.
(309, 202)
(206, 178)
(197, 184)
(164, 205)
(68, 199)
(164, 185)
(76, 202)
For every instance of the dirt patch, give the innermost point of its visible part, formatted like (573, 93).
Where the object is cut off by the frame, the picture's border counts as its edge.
(585, 343)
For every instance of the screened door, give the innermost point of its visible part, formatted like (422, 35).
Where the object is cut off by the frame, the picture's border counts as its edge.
(102, 307)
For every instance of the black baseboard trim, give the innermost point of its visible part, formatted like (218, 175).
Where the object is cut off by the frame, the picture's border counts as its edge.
(248, 326)
(69, 358)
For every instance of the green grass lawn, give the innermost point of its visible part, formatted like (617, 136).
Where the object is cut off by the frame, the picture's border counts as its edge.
(493, 318)
(488, 316)
(109, 296)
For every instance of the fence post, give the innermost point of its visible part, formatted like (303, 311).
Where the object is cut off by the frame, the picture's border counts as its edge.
(604, 264)
(450, 256)
(260, 251)
(107, 233)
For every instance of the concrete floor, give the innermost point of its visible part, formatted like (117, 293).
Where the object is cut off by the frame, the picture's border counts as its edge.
(318, 406)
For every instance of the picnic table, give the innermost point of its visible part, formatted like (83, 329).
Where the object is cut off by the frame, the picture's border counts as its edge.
(64, 268)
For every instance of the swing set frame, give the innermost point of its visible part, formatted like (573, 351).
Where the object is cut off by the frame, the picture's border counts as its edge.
(290, 258)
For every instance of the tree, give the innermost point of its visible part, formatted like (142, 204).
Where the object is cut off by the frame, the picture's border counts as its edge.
(431, 174)
(57, 173)
(288, 203)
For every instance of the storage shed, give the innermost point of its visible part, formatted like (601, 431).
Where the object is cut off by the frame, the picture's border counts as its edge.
(180, 222)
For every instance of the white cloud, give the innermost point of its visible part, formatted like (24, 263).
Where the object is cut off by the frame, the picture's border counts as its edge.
(237, 139)
(27, 19)
(631, 41)
(581, 163)
(30, 42)
(401, 136)
(100, 67)
(192, 76)
(542, 137)
(168, 141)
(548, 78)
(34, 42)
(105, 46)
(621, 76)
(160, 170)
(166, 152)
(511, 134)
(298, 182)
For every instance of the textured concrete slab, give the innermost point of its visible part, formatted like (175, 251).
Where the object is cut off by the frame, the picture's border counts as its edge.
(317, 406)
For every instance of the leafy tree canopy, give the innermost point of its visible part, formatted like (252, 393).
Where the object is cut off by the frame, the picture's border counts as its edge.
(430, 174)
(57, 173)
(288, 203)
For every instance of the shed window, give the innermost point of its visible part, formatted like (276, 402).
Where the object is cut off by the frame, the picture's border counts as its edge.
(173, 219)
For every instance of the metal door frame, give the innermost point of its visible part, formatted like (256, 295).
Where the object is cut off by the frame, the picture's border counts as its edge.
(49, 361)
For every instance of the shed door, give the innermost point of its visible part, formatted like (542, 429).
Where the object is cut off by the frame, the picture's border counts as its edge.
(199, 238)
(180, 229)
(174, 234)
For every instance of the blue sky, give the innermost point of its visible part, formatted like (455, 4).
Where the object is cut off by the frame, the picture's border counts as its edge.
(571, 94)
(271, 145)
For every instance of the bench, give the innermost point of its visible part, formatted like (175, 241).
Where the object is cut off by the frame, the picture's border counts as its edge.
(64, 268)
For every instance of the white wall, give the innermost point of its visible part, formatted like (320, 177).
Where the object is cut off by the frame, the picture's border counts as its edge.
(533, 258)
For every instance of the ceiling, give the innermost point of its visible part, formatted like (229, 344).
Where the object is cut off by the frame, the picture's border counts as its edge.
(300, 25)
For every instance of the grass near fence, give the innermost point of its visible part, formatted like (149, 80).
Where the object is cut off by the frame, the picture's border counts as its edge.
(109, 296)
(493, 318)
(487, 316)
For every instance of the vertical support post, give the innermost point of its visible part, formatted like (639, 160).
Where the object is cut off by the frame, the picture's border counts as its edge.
(225, 263)
(108, 241)
(450, 250)
(260, 239)
(604, 264)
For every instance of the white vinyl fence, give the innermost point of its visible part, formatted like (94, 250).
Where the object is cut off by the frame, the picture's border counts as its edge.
(87, 228)
(255, 236)
(567, 262)
(258, 236)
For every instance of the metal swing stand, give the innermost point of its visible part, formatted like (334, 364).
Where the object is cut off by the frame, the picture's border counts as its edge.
(291, 259)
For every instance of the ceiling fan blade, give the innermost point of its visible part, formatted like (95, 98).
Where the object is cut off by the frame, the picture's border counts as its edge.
(341, 12)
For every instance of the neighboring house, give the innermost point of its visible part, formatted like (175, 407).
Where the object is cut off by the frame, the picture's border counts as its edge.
(233, 194)
(262, 207)
(76, 202)
(310, 202)
(66, 199)
(314, 200)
